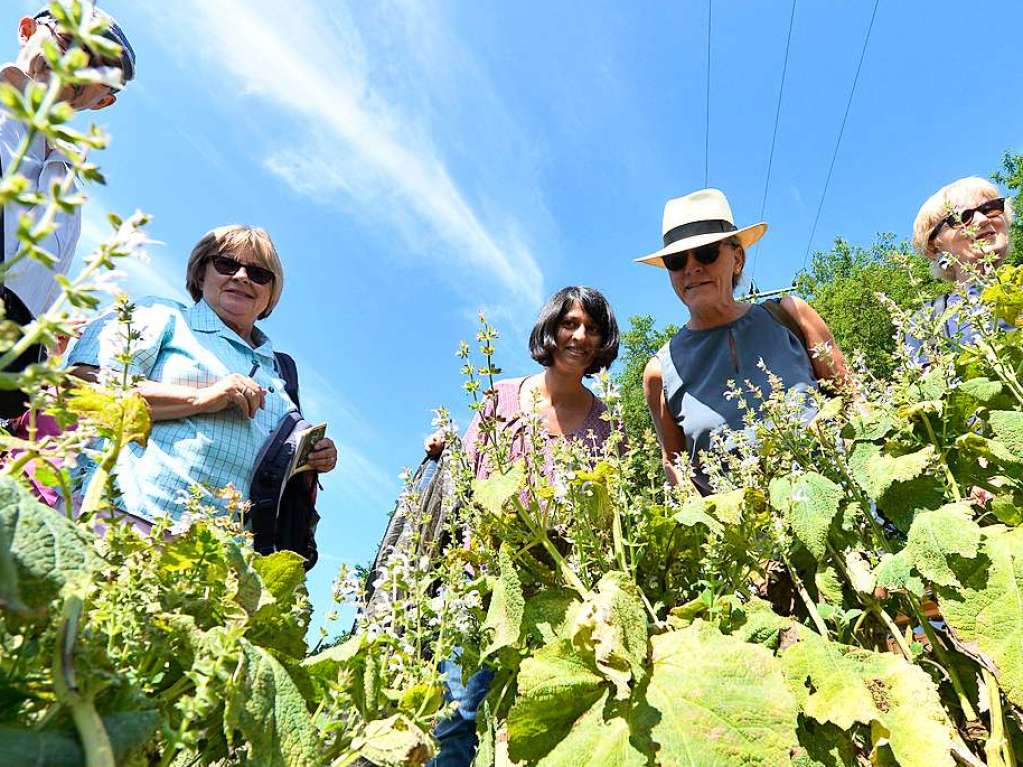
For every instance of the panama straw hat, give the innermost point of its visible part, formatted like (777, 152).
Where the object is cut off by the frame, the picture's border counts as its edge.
(699, 219)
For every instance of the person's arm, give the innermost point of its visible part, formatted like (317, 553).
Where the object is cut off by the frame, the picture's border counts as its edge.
(830, 366)
(669, 435)
(168, 402)
(64, 238)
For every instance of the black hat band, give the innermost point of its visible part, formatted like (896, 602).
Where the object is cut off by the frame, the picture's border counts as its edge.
(696, 228)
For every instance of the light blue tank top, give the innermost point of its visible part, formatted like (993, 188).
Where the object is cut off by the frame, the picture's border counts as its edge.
(696, 366)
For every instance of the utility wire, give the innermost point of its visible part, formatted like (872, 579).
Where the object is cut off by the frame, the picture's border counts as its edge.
(841, 131)
(706, 144)
(774, 133)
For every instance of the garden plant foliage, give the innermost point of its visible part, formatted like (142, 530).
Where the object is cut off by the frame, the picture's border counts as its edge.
(850, 595)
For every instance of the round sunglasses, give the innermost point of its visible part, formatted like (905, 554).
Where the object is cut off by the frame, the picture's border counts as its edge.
(228, 267)
(705, 254)
(964, 217)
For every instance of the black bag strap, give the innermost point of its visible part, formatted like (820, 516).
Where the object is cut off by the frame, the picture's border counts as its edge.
(289, 372)
(3, 233)
(783, 317)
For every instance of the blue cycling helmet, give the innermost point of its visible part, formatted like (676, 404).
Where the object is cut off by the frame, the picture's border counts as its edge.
(113, 32)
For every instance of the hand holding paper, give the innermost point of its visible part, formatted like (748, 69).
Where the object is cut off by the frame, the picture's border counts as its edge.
(316, 452)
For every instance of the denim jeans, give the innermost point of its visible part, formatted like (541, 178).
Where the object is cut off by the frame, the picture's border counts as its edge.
(457, 734)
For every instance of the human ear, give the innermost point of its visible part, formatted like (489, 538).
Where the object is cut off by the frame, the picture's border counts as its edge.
(740, 260)
(26, 28)
(104, 102)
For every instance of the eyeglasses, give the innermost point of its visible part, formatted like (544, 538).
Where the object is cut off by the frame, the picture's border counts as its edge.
(705, 254)
(64, 43)
(229, 267)
(990, 209)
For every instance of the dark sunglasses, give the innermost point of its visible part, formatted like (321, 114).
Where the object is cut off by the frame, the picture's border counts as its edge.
(229, 267)
(705, 254)
(964, 217)
(65, 42)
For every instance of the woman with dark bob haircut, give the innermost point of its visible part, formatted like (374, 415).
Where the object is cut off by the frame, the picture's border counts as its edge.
(543, 341)
(575, 336)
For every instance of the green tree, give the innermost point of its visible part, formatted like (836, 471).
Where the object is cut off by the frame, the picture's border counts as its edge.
(842, 285)
(1011, 176)
(639, 343)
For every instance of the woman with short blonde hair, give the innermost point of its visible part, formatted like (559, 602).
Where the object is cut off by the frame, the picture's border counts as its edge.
(230, 240)
(216, 387)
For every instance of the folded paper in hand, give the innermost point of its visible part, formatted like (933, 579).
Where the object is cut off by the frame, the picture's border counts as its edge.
(306, 441)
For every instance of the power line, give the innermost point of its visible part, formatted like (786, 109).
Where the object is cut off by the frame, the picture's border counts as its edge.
(841, 131)
(706, 143)
(774, 133)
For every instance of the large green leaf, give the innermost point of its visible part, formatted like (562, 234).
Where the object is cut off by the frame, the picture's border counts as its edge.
(899, 485)
(868, 424)
(986, 613)
(694, 512)
(1008, 427)
(877, 471)
(44, 548)
(895, 571)
(757, 622)
(598, 737)
(10, 598)
(394, 742)
(126, 416)
(555, 687)
(849, 685)
(264, 706)
(823, 745)
(545, 615)
(809, 502)
(829, 582)
(328, 662)
(504, 617)
(611, 623)
(276, 624)
(936, 535)
(716, 701)
(496, 490)
(983, 390)
(727, 507)
(128, 731)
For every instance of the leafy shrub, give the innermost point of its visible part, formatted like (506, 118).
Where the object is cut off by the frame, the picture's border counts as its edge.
(848, 596)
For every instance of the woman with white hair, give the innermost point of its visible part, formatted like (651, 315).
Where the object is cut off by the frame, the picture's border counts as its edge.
(963, 229)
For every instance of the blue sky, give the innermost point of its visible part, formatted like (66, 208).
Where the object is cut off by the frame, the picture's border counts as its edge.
(418, 161)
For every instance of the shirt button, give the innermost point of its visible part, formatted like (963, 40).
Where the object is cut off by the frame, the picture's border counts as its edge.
(271, 390)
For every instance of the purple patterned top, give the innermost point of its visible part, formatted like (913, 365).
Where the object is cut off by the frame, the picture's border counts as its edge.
(592, 432)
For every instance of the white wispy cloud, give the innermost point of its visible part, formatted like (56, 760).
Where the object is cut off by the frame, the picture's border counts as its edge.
(352, 143)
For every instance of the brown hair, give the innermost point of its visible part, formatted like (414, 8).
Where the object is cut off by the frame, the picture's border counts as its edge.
(235, 240)
(543, 340)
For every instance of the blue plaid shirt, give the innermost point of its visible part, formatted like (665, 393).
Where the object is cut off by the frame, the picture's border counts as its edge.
(190, 346)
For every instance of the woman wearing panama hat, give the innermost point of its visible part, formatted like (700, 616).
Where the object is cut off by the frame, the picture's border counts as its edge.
(685, 383)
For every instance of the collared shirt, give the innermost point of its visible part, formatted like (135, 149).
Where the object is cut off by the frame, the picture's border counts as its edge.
(957, 326)
(190, 346)
(42, 165)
